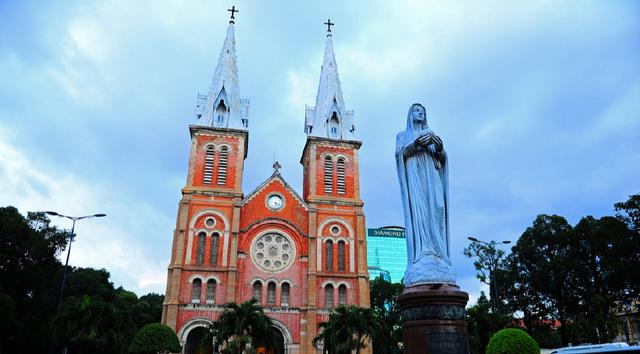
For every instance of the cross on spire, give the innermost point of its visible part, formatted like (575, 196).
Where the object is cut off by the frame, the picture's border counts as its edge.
(233, 12)
(329, 24)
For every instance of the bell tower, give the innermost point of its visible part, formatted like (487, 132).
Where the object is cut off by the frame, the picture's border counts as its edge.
(203, 267)
(337, 243)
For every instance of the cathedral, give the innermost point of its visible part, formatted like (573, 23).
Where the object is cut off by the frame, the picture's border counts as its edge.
(298, 255)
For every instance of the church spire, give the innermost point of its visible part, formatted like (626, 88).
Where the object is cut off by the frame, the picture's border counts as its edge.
(329, 118)
(222, 107)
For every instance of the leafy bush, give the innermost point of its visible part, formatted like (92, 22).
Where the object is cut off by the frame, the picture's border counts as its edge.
(512, 341)
(155, 338)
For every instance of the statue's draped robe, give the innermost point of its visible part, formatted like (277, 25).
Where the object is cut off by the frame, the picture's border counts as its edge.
(424, 187)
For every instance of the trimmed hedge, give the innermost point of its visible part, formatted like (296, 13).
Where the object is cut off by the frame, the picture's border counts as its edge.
(512, 341)
(155, 338)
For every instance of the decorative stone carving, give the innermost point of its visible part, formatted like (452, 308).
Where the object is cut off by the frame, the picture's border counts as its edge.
(433, 312)
(272, 252)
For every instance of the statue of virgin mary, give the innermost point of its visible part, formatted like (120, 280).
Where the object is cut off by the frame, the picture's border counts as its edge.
(423, 174)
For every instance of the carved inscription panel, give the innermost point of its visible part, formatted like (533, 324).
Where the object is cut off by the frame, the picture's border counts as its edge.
(446, 343)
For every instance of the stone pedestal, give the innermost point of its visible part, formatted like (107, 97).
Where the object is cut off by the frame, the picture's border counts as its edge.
(433, 319)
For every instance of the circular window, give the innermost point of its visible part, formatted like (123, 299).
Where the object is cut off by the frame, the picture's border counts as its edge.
(272, 252)
(335, 230)
(210, 222)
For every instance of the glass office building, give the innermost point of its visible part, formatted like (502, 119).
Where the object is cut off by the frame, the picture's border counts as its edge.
(387, 253)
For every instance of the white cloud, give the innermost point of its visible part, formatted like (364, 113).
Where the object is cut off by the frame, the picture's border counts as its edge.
(119, 242)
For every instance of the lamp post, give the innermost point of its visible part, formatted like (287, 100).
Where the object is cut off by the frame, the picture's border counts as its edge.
(493, 265)
(73, 227)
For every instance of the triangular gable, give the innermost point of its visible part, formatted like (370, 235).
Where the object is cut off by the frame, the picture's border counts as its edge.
(275, 177)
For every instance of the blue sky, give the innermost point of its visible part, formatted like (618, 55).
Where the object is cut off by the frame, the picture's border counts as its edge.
(538, 104)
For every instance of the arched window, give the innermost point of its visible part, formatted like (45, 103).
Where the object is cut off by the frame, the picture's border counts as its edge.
(208, 165)
(257, 291)
(329, 256)
(340, 172)
(342, 295)
(213, 256)
(200, 246)
(328, 174)
(284, 295)
(334, 125)
(196, 290)
(221, 112)
(328, 296)
(271, 294)
(211, 291)
(341, 256)
(222, 165)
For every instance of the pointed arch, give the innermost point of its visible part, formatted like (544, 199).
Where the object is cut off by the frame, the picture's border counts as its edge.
(334, 126)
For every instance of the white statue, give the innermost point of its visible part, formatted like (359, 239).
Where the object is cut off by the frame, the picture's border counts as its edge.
(423, 174)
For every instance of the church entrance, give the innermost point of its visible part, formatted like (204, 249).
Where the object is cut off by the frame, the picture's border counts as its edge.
(194, 344)
(277, 348)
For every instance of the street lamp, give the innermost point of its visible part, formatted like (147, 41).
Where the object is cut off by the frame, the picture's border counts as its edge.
(493, 265)
(73, 227)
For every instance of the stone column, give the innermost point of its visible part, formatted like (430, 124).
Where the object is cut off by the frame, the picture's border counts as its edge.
(433, 319)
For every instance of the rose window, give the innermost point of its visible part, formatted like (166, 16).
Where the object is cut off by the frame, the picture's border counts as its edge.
(272, 252)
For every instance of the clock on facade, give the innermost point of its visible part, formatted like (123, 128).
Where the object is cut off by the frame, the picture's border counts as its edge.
(275, 202)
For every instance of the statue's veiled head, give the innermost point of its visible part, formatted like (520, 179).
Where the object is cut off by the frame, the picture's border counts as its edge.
(416, 118)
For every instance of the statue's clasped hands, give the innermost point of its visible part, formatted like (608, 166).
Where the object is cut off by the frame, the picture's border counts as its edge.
(428, 138)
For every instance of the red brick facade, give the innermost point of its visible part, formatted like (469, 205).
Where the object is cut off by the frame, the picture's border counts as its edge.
(312, 246)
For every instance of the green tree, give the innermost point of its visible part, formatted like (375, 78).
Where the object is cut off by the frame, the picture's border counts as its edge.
(29, 279)
(94, 316)
(241, 324)
(155, 338)
(610, 255)
(488, 261)
(347, 330)
(385, 308)
(150, 308)
(546, 270)
(629, 212)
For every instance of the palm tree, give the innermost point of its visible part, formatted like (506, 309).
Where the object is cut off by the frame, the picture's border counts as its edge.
(348, 329)
(241, 324)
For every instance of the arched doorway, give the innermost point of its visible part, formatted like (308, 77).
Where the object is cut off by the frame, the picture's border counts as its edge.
(195, 344)
(275, 348)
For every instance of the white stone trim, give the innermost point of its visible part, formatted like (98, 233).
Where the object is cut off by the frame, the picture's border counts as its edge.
(286, 335)
(350, 242)
(183, 333)
(339, 155)
(196, 276)
(191, 233)
(293, 254)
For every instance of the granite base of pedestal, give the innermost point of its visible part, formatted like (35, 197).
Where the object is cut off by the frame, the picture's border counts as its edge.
(433, 319)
